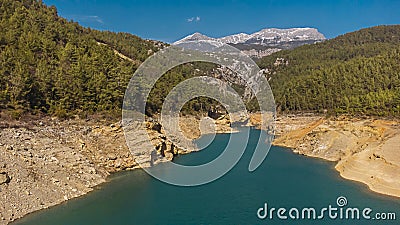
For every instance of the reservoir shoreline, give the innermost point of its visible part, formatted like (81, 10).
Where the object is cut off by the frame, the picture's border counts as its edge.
(364, 150)
(50, 161)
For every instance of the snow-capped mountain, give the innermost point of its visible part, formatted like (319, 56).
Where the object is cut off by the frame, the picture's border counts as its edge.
(264, 42)
(236, 38)
(195, 37)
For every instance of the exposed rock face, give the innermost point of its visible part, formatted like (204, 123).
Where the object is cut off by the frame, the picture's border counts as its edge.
(4, 178)
(366, 150)
(50, 161)
(259, 53)
(193, 127)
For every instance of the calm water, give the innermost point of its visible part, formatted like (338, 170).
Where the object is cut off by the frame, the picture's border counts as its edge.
(283, 180)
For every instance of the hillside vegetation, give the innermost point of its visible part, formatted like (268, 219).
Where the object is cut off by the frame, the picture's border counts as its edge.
(356, 73)
(52, 65)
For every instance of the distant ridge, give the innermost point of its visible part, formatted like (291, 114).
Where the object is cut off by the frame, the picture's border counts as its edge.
(264, 42)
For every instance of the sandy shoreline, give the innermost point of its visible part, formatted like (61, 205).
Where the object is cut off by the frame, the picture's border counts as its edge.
(50, 161)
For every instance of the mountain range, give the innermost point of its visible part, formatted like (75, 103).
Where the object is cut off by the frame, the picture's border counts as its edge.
(264, 42)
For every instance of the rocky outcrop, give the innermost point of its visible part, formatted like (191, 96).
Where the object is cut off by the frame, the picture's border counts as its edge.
(366, 150)
(4, 177)
(45, 162)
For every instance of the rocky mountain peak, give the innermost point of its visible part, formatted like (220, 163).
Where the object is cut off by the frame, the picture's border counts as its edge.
(265, 41)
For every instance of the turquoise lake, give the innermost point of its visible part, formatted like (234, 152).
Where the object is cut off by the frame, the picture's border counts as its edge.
(284, 180)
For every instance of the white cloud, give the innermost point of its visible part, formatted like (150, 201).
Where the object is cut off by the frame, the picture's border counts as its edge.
(193, 19)
(84, 18)
(96, 18)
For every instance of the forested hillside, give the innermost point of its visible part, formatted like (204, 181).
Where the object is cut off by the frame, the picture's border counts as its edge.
(54, 66)
(51, 65)
(356, 73)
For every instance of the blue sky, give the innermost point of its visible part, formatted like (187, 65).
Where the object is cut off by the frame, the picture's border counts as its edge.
(170, 20)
